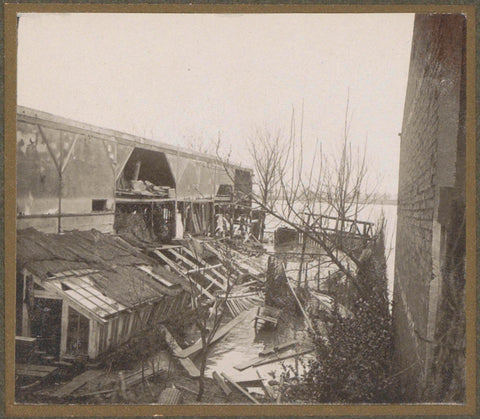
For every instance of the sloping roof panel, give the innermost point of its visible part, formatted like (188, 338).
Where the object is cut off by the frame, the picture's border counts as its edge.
(100, 272)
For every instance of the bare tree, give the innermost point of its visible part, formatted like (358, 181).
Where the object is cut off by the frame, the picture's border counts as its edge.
(268, 152)
(328, 187)
(208, 317)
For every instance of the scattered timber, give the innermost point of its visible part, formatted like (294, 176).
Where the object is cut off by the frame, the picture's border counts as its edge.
(273, 358)
(246, 364)
(266, 387)
(221, 383)
(131, 379)
(188, 390)
(76, 383)
(239, 388)
(206, 266)
(170, 396)
(32, 370)
(240, 261)
(253, 382)
(278, 348)
(176, 268)
(193, 266)
(307, 319)
(236, 303)
(222, 331)
(186, 362)
(279, 393)
(265, 315)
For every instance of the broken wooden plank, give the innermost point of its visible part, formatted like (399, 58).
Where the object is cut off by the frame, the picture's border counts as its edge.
(194, 266)
(189, 390)
(95, 393)
(212, 267)
(33, 370)
(239, 388)
(222, 331)
(186, 363)
(272, 358)
(148, 270)
(221, 383)
(279, 394)
(234, 261)
(203, 269)
(278, 348)
(307, 319)
(76, 383)
(252, 382)
(266, 387)
(280, 357)
(179, 271)
(246, 364)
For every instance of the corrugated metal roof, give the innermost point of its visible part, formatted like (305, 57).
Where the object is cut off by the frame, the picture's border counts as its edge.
(100, 272)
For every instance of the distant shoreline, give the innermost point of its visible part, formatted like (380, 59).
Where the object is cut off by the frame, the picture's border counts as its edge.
(375, 202)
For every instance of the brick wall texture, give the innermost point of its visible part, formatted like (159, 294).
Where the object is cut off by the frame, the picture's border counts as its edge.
(431, 161)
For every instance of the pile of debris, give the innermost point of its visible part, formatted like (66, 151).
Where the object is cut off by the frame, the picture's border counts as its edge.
(145, 188)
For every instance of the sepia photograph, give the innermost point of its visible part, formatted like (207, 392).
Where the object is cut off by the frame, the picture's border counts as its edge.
(220, 209)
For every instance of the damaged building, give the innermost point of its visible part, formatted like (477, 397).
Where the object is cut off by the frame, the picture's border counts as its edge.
(94, 206)
(81, 293)
(71, 175)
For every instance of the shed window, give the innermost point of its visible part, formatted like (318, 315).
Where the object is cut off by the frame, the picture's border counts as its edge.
(99, 205)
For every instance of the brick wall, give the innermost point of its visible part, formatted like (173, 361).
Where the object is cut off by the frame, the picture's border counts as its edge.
(429, 170)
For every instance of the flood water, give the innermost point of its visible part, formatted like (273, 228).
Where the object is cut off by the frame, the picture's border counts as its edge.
(371, 213)
(242, 344)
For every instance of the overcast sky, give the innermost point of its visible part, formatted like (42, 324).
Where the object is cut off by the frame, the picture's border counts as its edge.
(171, 77)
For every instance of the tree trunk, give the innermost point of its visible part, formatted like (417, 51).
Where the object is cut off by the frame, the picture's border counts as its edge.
(203, 364)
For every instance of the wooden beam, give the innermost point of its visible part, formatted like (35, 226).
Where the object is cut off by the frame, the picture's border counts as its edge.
(272, 358)
(222, 331)
(179, 271)
(266, 387)
(64, 329)
(150, 272)
(307, 319)
(176, 349)
(44, 137)
(221, 383)
(69, 153)
(205, 268)
(246, 393)
(77, 382)
(193, 265)
(212, 267)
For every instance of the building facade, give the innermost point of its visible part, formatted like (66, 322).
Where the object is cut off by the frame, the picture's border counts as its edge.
(72, 175)
(429, 312)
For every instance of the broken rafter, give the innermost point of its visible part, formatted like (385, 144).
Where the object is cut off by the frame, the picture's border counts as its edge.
(206, 268)
(213, 268)
(222, 331)
(177, 350)
(194, 266)
(239, 388)
(180, 271)
(307, 319)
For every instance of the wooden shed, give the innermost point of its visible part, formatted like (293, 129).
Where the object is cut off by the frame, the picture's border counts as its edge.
(82, 293)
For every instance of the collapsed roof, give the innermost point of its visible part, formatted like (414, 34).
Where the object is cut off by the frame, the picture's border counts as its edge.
(101, 272)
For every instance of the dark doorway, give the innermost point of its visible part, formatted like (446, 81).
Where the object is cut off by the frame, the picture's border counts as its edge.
(46, 324)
